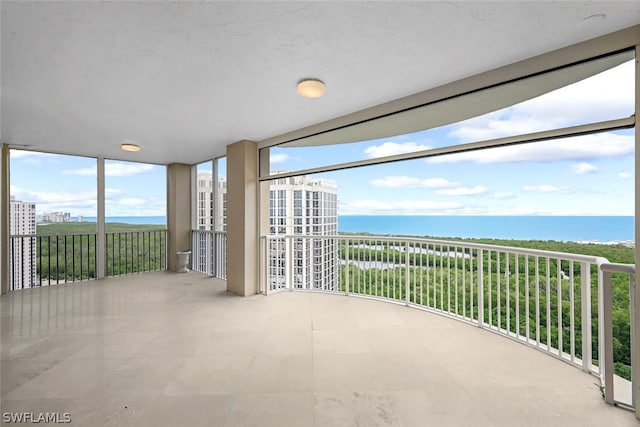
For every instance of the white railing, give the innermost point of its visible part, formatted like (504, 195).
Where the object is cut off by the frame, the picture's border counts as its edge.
(543, 299)
(617, 390)
(209, 252)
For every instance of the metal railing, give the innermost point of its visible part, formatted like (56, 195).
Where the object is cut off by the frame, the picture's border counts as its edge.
(619, 282)
(43, 260)
(540, 298)
(209, 252)
(130, 252)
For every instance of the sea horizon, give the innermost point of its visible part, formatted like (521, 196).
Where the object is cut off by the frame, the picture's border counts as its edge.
(574, 228)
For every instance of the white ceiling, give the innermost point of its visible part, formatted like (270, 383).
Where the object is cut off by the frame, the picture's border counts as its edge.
(183, 80)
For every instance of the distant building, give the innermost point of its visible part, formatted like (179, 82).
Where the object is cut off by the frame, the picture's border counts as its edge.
(210, 216)
(54, 217)
(22, 228)
(304, 206)
(298, 206)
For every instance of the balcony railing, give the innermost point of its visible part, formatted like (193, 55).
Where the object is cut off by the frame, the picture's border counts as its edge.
(43, 260)
(552, 301)
(132, 252)
(618, 390)
(209, 252)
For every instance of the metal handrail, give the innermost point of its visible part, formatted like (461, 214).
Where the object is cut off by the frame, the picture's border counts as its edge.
(209, 256)
(514, 249)
(73, 256)
(613, 267)
(607, 373)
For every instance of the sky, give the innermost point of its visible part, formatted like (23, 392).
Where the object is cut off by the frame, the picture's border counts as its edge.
(587, 175)
(57, 183)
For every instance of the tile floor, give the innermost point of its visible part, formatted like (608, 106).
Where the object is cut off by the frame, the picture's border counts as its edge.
(166, 349)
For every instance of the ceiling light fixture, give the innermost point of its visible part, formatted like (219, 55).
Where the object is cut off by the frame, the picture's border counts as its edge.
(130, 147)
(311, 88)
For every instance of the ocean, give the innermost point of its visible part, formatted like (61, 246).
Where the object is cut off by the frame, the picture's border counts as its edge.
(561, 228)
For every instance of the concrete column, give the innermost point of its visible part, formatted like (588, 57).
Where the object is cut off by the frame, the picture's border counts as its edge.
(101, 237)
(242, 218)
(178, 212)
(4, 220)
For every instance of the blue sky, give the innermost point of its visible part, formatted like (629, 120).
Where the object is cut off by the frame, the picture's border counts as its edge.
(588, 175)
(68, 184)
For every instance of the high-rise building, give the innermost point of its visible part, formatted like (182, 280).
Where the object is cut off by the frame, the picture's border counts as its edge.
(304, 206)
(298, 206)
(211, 216)
(22, 227)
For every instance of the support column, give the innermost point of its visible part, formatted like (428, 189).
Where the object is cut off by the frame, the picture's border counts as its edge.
(242, 218)
(101, 237)
(178, 212)
(4, 221)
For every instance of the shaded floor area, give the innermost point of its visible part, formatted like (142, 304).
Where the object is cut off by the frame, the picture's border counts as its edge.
(164, 349)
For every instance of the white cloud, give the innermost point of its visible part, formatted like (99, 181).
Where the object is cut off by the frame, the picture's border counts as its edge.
(545, 188)
(122, 169)
(112, 169)
(462, 191)
(401, 207)
(78, 203)
(32, 158)
(93, 171)
(17, 154)
(578, 103)
(625, 175)
(393, 148)
(502, 195)
(84, 202)
(279, 158)
(132, 201)
(524, 210)
(576, 148)
(411, 182)
(583, 168)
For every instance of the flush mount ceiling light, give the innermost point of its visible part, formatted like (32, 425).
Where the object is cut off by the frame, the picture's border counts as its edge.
(311, 88)
(129, 147)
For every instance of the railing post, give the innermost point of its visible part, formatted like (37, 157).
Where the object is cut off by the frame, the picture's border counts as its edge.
(585, 314)
(267, 270)
(289, 278)
(480, 266)
(634, 353)
(601, 329)
(606, 347)
(346, 266)
(407, 285)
